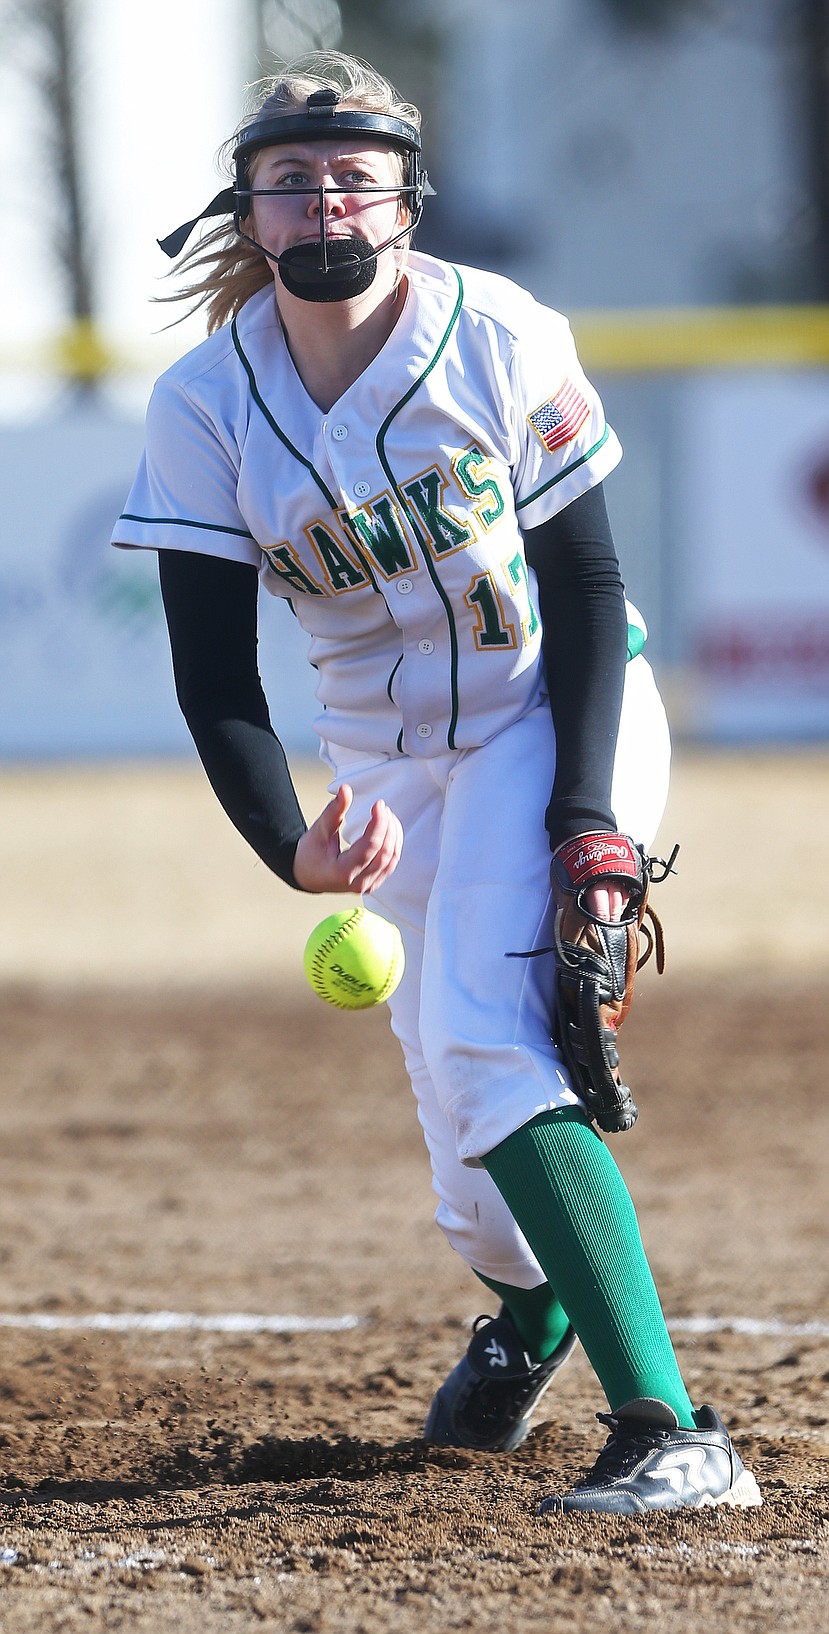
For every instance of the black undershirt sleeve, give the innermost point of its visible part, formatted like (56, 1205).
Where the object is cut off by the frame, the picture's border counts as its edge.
(211, 610)
(582, 607)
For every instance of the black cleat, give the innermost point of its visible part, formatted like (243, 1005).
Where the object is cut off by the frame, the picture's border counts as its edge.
(648, 1462)
(488, 1399)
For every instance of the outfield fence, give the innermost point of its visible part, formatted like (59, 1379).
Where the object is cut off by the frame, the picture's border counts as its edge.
(720, 509)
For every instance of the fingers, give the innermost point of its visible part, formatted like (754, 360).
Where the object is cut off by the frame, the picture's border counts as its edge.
(318, 854)
(375, 855)
(606, 901)
(333, 817)
(321, 863)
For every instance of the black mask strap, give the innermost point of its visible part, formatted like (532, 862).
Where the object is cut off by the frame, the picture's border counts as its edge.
(223, 204)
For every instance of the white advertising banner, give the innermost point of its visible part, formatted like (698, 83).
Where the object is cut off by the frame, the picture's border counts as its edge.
(84, 660)
(752, 574)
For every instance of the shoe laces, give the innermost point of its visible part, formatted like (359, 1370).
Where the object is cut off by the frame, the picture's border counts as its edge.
(629, 1440)
(493, 1396)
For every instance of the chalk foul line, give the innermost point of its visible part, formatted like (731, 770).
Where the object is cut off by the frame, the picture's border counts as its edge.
(242, 1322)
(750, 1326)
(175, 1321)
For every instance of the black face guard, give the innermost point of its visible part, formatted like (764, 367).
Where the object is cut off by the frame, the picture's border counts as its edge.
(334, 269)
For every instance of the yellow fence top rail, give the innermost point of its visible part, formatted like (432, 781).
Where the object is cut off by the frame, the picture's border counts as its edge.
(656, 340)
(660, 340)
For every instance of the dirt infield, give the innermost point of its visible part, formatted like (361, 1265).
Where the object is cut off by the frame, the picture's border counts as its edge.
(216, 1146)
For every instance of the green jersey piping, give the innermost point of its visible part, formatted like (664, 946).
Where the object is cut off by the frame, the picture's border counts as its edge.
(413, 523)
(183, 522)
(582, 460)
(276, 429)
(390, 682)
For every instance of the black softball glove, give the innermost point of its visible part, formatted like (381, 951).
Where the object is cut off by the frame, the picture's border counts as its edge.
(597, 961)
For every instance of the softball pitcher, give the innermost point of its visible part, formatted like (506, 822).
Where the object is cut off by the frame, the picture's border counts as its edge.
(409, 454)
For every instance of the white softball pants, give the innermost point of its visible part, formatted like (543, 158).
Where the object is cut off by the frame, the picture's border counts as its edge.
(472, 886)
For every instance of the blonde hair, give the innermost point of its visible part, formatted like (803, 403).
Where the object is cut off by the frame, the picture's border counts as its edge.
(229, 271)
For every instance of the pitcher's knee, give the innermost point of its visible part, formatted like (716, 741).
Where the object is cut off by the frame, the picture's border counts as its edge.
(489, 1242)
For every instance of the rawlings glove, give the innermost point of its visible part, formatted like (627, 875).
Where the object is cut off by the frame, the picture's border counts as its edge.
(596, 963)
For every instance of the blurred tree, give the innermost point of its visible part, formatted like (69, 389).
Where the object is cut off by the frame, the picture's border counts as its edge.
(42, 44)
(390, 33)
(809, 22)
(288, 28)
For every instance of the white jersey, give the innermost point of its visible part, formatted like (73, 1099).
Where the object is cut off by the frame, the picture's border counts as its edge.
(393, 523)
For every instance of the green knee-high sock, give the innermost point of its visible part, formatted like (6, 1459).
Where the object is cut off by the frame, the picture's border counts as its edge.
(538, 1315)
(563, 1188)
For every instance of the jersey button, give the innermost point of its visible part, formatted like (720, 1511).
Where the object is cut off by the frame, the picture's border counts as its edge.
(362, 489)
(339, 433)
(426, 645)
(405, 587)
(424, 730)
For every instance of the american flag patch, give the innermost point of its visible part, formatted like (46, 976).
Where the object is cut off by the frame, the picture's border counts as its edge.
(557, 421)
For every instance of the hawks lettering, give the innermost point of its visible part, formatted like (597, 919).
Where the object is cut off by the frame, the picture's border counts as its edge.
(426, 493)
(345, 554)
(282, 561)
(341, 571)
(467, 467)
(378, 530)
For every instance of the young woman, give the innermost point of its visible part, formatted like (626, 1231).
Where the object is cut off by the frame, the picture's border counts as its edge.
(409, 453)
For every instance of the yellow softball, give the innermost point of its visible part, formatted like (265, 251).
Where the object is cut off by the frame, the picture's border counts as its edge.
(354, 959)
